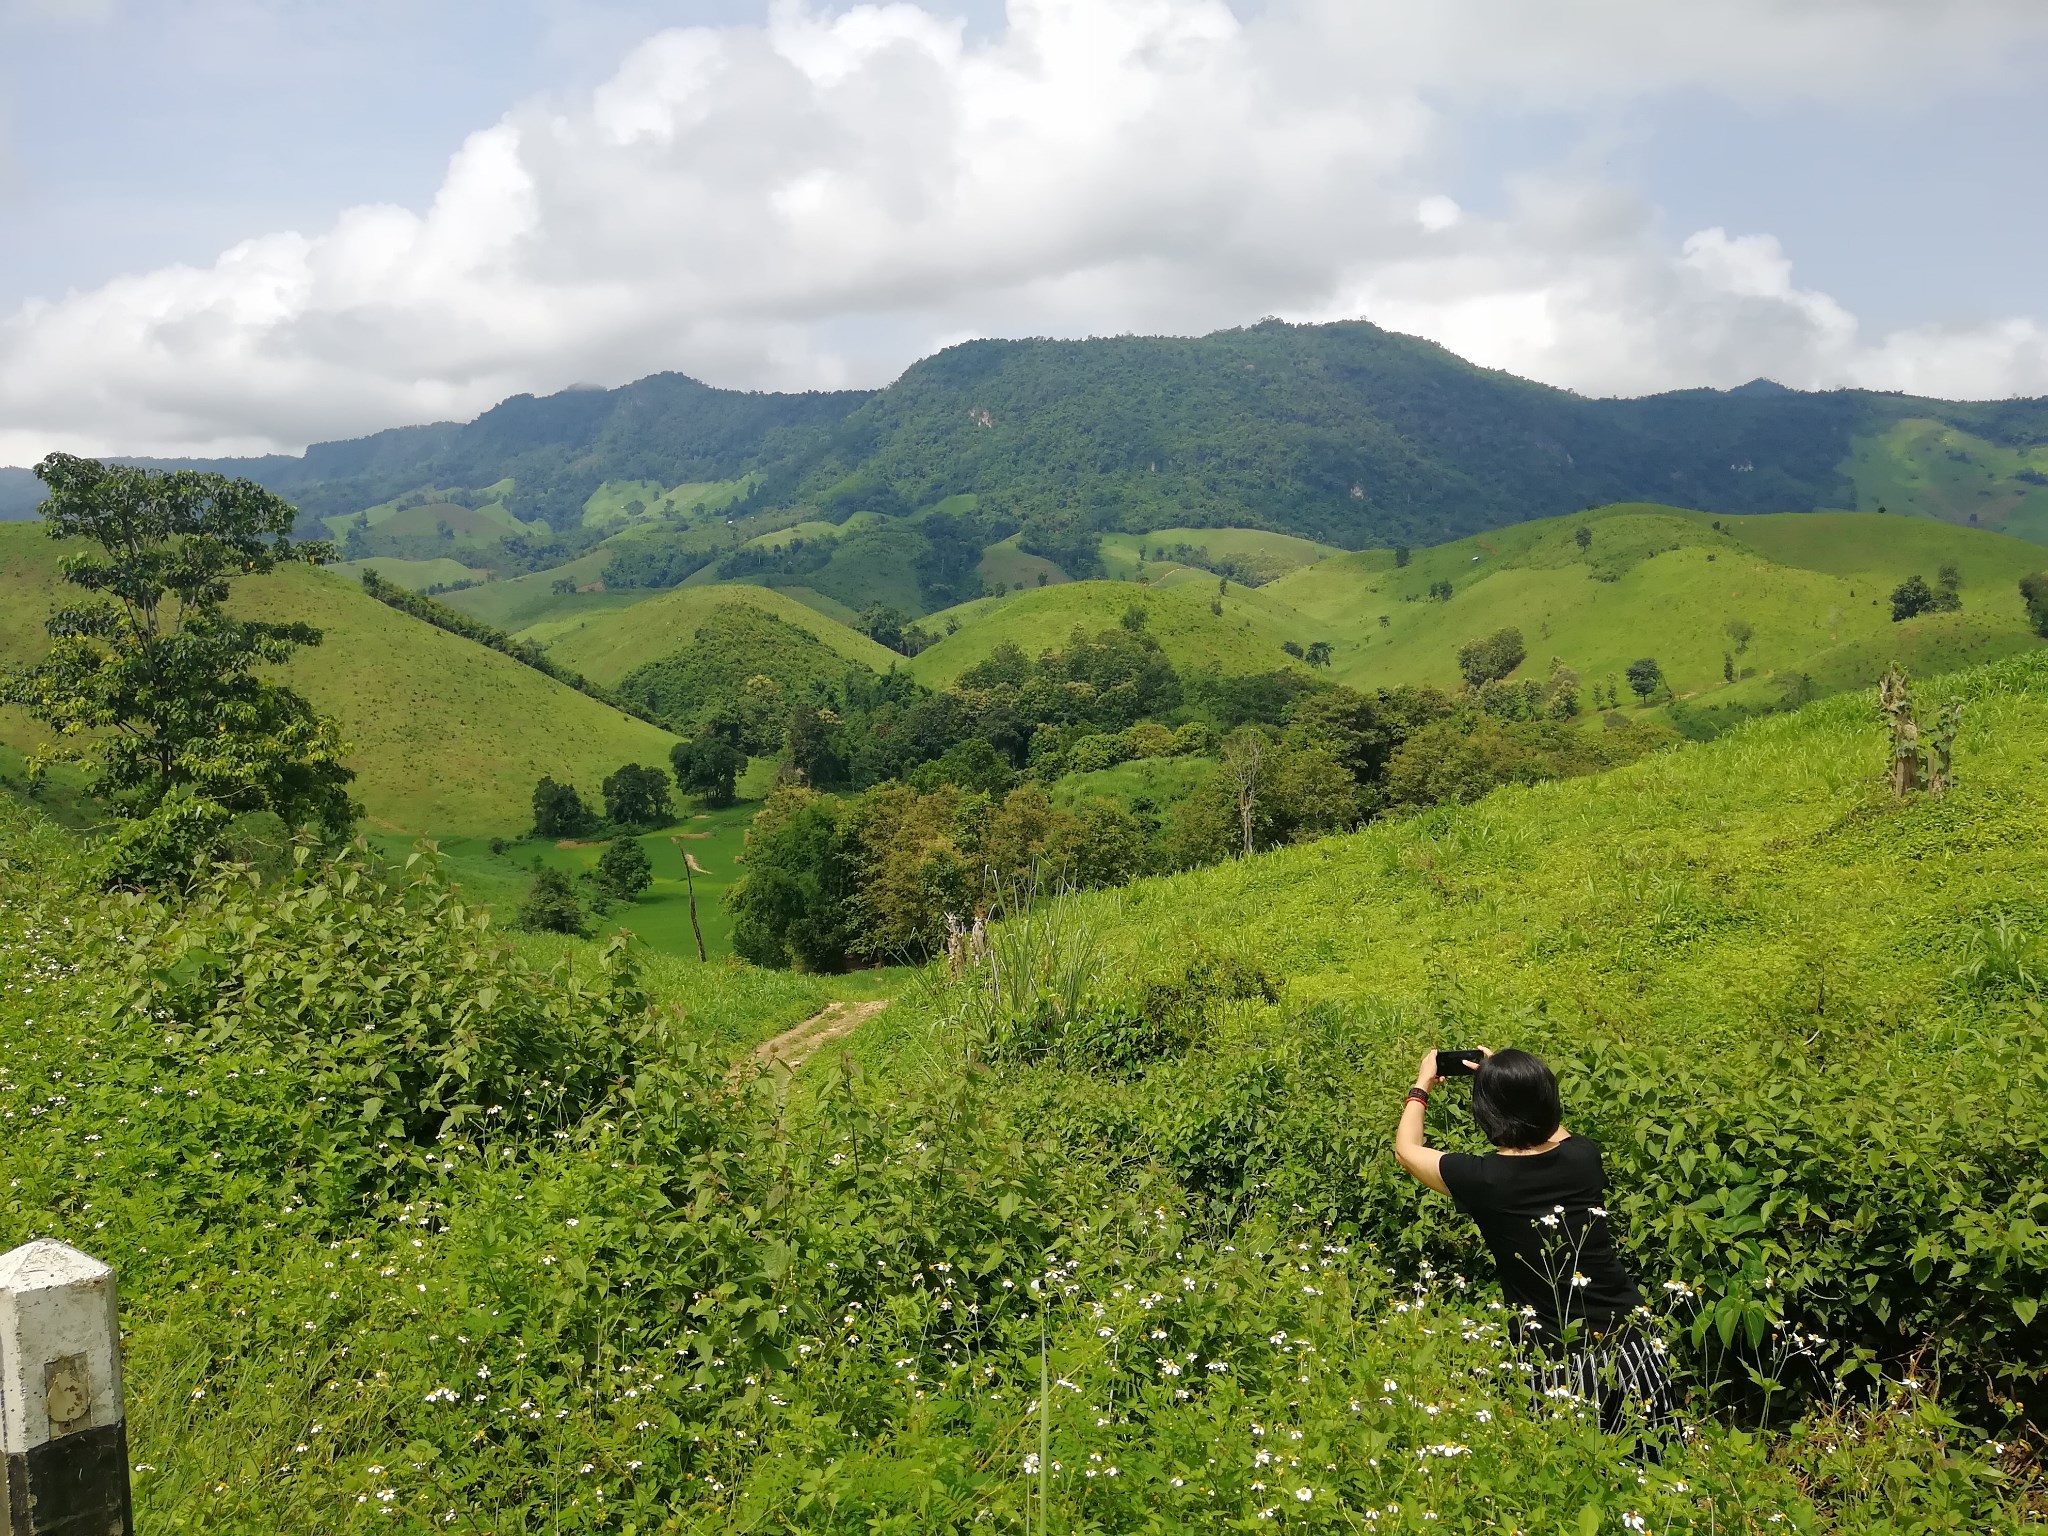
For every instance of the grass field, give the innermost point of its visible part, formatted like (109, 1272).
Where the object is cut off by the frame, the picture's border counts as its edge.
(416, 574)
(1807, 584)
(608, 645)
(1004, 564)
(446, 737)
(1246, 637)
(1270, 555)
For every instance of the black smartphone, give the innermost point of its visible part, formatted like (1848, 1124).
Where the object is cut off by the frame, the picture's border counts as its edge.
(1458, 1063)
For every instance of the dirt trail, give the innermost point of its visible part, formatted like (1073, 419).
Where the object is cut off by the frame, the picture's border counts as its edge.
(793, 1047)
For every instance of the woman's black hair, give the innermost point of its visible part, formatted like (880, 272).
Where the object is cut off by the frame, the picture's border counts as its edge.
(1514, 1099)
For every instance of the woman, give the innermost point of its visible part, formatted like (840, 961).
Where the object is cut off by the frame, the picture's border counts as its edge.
(1540, 1202)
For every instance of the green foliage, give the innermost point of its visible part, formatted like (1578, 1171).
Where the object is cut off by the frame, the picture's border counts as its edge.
(551, 905)
(624, 870)
(1492, 658)
(791, 906)
(637, 796)
(1911, 598)
(708, 768)
(1645, 677)
(559, 811)
(2034, 592)
(735, 644)
(162, 700)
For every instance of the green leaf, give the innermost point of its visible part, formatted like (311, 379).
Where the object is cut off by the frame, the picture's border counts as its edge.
(2025, 1307)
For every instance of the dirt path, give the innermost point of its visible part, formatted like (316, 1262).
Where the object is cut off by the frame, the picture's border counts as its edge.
(793, 1047)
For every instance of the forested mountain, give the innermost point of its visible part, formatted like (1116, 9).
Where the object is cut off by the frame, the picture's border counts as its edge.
(1345, 433)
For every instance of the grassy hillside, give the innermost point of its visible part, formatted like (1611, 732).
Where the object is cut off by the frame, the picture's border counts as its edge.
(415, 574)
(1934, 469)
(1666, 583)
(445, 736)
(1246, 637)
(606, 646)
(1266, 554)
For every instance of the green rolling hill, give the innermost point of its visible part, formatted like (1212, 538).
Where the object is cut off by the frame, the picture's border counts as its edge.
(606, 646)
(1245, 637)
(447, 738)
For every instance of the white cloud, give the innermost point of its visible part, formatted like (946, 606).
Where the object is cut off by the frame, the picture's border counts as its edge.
(820, 199)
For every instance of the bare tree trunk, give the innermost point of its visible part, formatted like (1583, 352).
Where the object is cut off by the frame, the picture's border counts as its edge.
(691, 880)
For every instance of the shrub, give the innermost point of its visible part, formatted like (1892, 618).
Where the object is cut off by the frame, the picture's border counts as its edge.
(550, 905)
(2034, 592)
(624, 870)
(1148, 738)
(1090, 754)
(1195, 739)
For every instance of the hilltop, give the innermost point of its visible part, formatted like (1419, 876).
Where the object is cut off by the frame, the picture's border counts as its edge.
(446, 737)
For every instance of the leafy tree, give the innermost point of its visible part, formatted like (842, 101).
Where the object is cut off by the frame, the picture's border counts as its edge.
(708, 768)
(2034, 591)
(1440, 590)
(1319, 653)
(1489, 659)
(151, 683)
(1583, 536)
(623, 869)
(1910, 598)
(1948, 592)
(972, 765)
(1402, 555)
(1727, 666)
(1134, 617)
(551, 905)
(810, 747)
(1645, 677)
(884, 625)
(1293, 649)
(1741, 633)
(558, 810)
(635, 796)
(793, 904)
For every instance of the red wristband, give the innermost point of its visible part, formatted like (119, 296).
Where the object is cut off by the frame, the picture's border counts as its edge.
(1419, 1096)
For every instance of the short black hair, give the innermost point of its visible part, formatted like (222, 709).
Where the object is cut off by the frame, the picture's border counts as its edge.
(1514, 1099)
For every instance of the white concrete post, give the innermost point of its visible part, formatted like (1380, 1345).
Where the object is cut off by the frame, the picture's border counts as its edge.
(65, 1471)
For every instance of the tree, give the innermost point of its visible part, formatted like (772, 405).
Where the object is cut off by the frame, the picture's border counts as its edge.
(1645, 677)
(1440, 590)
(809, 745)
(1402, 555)
(623, 869)
(708, 768)
(1583, 536)
(1948, 594)
(551, 905)
(1492, 658)
(2034, 591)
(1244, 767)
(637, 797)
(1319, 653)
(1293, 649)
(162, 700)
(884, 625)
(792, 906)
(1740, 632)
(1911, 598)
(1727, 666)
(558, 811)
(1134, 618)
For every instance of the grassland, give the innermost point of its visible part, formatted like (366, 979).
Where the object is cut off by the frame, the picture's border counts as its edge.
(415, 574)
(608, 645)
(1245, 637)
(1003, 564)
(446, 737)
(1266, 553)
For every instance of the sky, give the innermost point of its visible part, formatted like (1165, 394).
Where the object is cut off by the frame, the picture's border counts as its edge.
(232, 226)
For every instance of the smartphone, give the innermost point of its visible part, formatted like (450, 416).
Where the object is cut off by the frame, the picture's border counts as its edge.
(1458, 1063)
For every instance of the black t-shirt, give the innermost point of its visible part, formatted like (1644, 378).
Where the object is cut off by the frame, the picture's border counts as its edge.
(1544, 1217)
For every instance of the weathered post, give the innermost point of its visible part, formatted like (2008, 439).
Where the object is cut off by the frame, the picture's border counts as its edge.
(65, 1472)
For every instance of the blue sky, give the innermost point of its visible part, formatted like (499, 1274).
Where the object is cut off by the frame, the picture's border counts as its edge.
(1595, 192)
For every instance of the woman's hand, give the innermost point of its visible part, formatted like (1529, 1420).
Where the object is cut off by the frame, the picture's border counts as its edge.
(1427, 1077)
